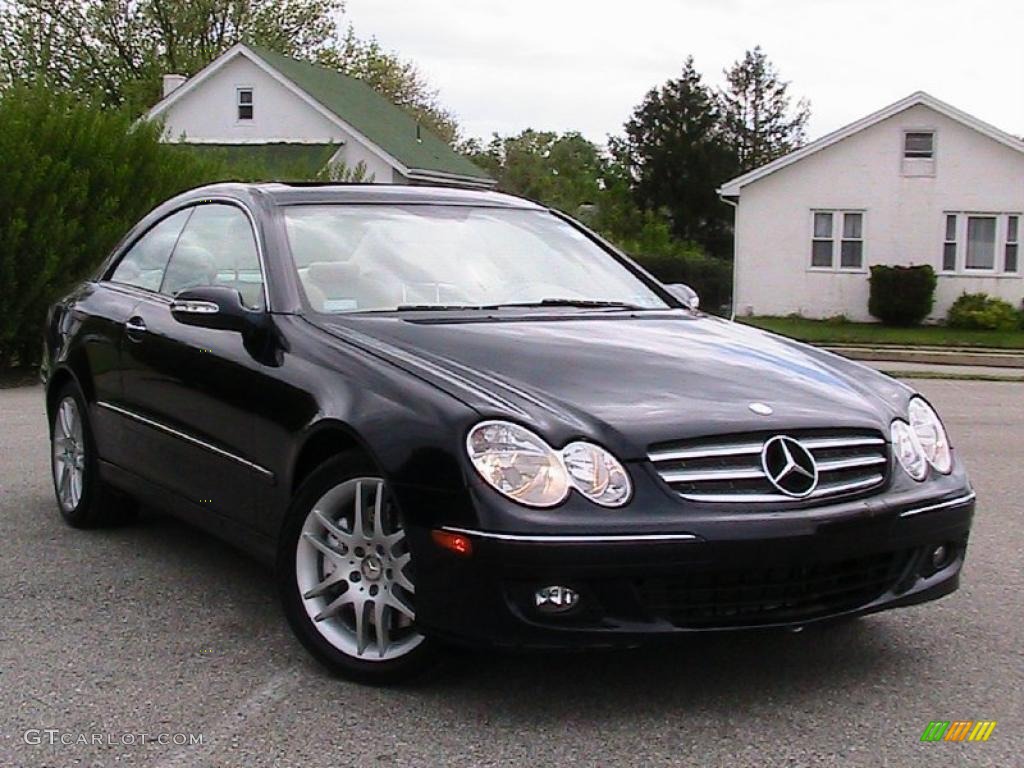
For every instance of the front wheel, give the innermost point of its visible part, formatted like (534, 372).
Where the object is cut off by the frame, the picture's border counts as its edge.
(85, 501)
(346, 576)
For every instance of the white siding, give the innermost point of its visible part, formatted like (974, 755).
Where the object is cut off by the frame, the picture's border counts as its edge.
(904, 218)
(208, 114)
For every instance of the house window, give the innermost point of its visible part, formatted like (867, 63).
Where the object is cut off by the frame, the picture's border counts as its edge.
(981, 243)
(1010, 252)
(974, 242)
(837, 240)
(919, 145)
(949, 246)
(244, 103)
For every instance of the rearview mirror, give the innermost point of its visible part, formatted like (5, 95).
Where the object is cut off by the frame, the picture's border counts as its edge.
(685, 294)
(213, 306)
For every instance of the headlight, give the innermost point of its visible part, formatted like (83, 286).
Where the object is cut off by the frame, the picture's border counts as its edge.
(517, 463)
(931, 435)
(908, 450)
(596, 474)
(520, 465)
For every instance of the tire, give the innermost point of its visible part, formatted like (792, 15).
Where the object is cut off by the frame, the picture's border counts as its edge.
(339, 581)
(83, 499)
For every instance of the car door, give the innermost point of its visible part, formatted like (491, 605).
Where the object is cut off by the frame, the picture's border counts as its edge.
(192, 389)
(106, 310)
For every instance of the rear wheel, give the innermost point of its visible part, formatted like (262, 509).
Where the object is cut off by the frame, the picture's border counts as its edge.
(84, 500)
(346, 576)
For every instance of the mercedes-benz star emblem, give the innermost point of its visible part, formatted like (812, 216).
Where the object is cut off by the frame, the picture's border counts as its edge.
(761, 409)
(789, 466)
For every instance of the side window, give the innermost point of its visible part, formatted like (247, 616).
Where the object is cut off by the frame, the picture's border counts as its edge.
(144, 263)
(218, 247)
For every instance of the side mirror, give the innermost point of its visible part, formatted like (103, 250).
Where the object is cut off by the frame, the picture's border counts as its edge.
(686, 295)
(213, 306)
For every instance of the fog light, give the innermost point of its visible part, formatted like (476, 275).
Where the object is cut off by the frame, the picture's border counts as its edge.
(556, 599)
(939, 556)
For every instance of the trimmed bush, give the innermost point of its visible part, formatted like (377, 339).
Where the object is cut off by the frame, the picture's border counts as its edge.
(901, 295)
(979, 311)
(75, 178)
(711, 278)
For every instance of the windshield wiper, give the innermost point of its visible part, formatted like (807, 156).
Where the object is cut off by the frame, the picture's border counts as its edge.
(599, 303)
(425, 307)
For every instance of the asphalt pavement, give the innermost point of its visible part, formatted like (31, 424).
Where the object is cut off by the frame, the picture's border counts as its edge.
(114, 641)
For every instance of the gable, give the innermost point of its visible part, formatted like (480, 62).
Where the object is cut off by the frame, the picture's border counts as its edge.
(914, 112)
(207, 113)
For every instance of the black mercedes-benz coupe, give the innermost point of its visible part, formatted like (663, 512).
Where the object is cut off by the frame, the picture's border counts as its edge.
(450, 416)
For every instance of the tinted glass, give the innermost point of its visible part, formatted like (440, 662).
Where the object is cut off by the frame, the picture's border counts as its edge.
(823, 225)
(144, 263)
(918, 145)
(850, 256)
(949, 257)
(217, 247)
(981, 242)
(821, 253)
(853, 225)
(951, 228)
(380, 257)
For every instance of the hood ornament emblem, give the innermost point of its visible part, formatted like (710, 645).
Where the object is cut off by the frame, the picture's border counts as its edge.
(789, 466)
(762, 409)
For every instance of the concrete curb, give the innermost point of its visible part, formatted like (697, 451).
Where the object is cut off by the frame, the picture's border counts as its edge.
(990, 358)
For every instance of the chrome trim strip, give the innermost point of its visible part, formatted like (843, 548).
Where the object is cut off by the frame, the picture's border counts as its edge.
(568, 539)
(746, 449)
(696, 476)
(742, 449)
(766, 498)
(817, 443)
(965, 499)
(185, 437)
(856, 461)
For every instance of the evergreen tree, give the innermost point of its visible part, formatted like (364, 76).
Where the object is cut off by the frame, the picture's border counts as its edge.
(758, 119)
(676, 155)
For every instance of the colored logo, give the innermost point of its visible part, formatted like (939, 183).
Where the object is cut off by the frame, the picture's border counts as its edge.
(958, 730)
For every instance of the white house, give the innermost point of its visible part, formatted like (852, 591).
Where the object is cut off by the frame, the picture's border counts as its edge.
(918, 182)
(250, 102)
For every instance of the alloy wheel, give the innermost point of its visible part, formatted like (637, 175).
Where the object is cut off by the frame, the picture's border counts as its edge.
(68, 454)
(352, 567)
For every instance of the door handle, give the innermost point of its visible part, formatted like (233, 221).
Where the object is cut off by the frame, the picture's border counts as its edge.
(135, 328)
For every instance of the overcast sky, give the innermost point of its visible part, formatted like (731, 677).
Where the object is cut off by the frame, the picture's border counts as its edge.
(584, 64)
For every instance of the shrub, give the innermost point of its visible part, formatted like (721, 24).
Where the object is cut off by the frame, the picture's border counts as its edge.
(983, 312)
(711, 278)
(901, 295)
(75, 178)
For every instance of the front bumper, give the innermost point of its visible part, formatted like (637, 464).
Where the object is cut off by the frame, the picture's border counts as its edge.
(785, 570)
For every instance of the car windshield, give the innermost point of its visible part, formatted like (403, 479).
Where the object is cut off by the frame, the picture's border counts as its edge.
(358, 258)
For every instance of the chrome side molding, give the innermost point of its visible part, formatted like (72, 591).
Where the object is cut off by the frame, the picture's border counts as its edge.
(186, 437)
(571, 539)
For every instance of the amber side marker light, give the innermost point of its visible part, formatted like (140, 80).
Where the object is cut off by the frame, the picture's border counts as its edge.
(454, 542)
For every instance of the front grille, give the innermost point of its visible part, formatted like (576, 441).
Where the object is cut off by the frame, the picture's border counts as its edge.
(753, 596)
(728, 469)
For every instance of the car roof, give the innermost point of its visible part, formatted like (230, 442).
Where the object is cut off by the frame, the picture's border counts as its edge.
(283, 193)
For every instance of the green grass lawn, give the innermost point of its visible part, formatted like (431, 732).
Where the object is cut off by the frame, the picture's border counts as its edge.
(831, 332)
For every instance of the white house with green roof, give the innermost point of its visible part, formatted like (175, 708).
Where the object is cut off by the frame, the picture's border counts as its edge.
(301, 118)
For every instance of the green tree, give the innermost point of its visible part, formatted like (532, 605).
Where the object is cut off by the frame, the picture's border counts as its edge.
(675, 155)
(568, 172)
(760, 123)
(564, 171)
(76, 178)
(119, 48)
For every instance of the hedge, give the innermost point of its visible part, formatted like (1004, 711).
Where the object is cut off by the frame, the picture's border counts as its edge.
(901, 295)
(979, 311)
(75, 178)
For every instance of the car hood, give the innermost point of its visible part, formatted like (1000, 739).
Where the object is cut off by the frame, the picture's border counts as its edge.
(629, 380)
